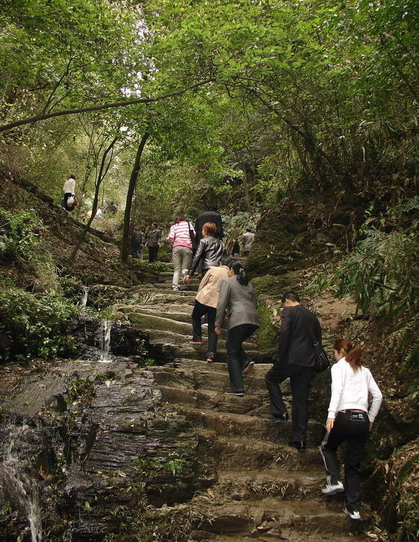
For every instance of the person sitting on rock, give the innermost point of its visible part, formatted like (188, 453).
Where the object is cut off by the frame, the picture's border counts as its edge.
(206, 305)
(238, 298)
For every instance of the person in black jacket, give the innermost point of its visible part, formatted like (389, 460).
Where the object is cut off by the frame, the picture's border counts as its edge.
(295, 360)
(211, 215)
(210, 250)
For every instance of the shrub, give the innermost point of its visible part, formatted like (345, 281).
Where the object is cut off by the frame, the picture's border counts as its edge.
(32, 325)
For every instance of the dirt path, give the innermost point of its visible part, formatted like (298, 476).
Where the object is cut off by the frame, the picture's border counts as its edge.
(264, 489)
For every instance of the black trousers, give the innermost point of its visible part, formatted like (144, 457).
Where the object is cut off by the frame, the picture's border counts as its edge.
(198, 312)
(352, 427)
(301, 378)
(236, 356)
(152, 254)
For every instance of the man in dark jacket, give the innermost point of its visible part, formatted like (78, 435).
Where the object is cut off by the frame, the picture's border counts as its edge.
(295, 360)
(209, 216)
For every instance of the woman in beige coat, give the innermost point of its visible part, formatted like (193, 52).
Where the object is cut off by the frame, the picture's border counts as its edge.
(206, 304)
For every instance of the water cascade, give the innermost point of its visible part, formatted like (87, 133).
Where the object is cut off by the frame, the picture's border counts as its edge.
(83, 300)
(18, 484)
(105, 336)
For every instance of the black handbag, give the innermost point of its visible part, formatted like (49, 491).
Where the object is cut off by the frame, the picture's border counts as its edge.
(321, 359)
(192, 237)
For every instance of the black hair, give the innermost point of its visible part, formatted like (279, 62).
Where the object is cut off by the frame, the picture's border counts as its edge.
(225, 260)
(239, 271)
(179, 218)
(291, 296)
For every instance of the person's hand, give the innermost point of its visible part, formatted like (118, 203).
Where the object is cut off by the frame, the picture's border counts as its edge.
(218, 330)
(329, 424)
(371, 424)
(186, 279)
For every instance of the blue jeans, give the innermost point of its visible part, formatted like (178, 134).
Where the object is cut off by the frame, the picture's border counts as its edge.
(236, 356)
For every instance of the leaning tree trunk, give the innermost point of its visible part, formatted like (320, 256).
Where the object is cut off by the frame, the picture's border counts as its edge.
(102, 173)
(130, 195)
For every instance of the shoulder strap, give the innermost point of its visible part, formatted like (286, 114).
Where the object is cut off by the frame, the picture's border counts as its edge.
(313, 338)
(191, 235)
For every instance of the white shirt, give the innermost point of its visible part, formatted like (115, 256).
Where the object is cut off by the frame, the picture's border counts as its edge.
(69, 186)
(350, 390)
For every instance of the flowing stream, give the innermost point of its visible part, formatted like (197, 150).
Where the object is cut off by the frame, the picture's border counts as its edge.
(18, 484)
(83, 300)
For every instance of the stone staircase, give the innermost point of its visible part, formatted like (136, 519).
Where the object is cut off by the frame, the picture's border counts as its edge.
(264, 490)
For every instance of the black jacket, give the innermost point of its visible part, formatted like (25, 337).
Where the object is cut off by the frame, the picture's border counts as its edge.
(210, 250)
(295, 341)
(209, 216)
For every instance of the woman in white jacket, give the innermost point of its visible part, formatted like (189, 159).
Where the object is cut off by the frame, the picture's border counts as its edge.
(349, 419)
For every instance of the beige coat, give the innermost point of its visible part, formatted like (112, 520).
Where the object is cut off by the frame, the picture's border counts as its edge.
(209, 288)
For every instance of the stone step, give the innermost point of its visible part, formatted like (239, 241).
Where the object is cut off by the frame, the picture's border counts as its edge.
(214, 400)
(241, 485)
(275, 516)
(286, 535)
(226, 423)
(212, 376)
(231, 451)
(169, 311)
(149, 321)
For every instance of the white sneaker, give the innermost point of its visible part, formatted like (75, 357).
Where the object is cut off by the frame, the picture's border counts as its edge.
(332, 489)
(353, 515)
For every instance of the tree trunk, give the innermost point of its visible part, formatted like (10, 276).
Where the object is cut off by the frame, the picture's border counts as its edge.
(101, 175)
(130, 195)
(248, 181)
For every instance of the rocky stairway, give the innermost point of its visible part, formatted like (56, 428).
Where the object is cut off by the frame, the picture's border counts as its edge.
(265, 490)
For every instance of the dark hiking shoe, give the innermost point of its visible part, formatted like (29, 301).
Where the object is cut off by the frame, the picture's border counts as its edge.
(299, 445)
(281, 417)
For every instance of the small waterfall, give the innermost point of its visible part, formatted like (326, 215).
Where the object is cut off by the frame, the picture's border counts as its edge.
(105, 336)
(20, 486)
(83, 300)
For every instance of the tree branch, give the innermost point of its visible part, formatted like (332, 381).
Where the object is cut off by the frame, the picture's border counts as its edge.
(31, 120)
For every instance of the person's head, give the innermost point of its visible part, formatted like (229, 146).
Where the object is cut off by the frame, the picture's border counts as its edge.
(237, 269)
(154, 225)
(344, 349)
(72, 177)
(290, 299)
(209, 228)
(180, 217)
(225, 261)
(249, 230)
